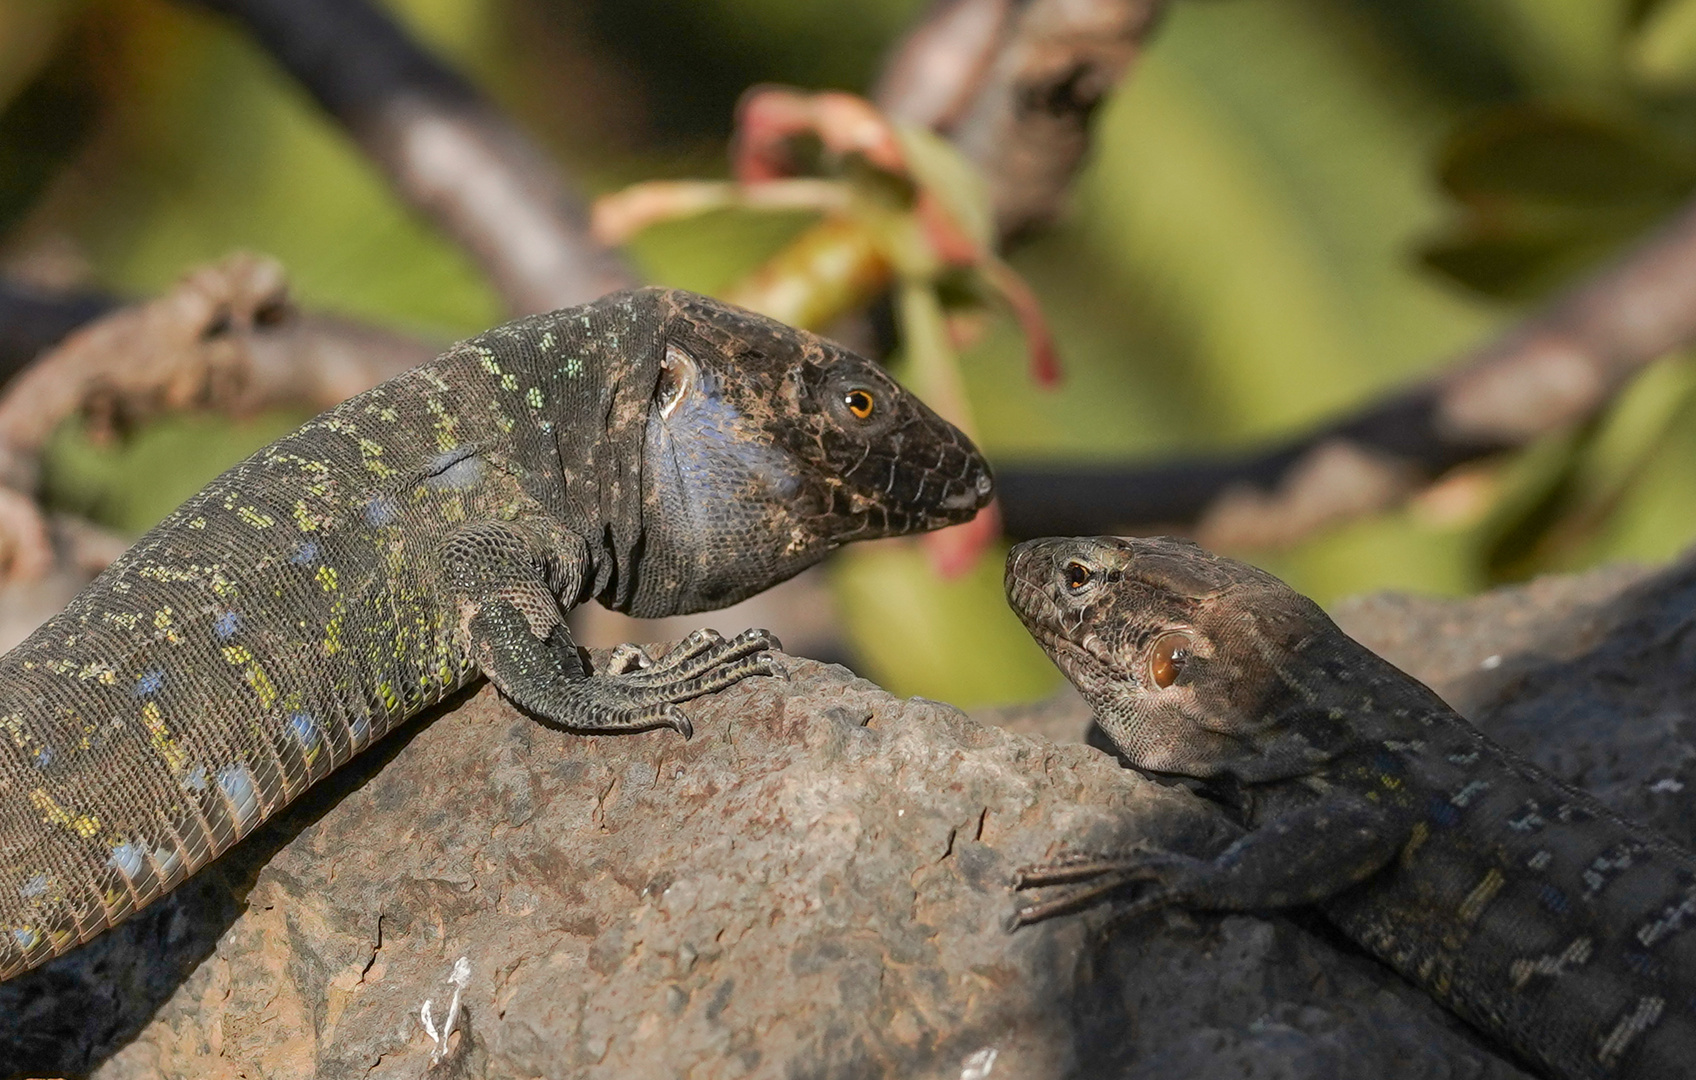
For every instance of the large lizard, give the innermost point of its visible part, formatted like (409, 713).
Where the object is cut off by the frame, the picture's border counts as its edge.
(1519, 902)
(657, 451)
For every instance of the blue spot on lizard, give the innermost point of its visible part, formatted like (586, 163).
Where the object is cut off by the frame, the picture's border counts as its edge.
(150, 683)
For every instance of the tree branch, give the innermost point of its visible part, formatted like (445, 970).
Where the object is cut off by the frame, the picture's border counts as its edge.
(226, 338)
(446, 149)
(1554, 369)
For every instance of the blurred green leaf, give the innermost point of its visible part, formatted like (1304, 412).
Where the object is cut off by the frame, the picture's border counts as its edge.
(954, 641)
(40, 130)
(1663, 51)
(1548, 193)
(1562, 47)
(1538, 155)
(29, 31)
(1524, 257)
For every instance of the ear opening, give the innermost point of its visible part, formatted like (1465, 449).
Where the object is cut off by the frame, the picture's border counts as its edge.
(678, 375)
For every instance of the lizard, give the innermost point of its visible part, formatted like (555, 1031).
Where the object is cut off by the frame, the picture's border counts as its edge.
(655, 450)
(1517, 901)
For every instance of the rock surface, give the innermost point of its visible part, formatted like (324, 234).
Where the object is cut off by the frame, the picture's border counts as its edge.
(815, 886)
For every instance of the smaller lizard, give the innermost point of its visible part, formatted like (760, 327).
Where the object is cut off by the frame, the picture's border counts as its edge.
(1522, 904)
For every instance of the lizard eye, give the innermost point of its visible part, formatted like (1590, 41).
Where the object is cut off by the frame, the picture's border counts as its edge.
(1166, 660)
(1077, 575)
(860, 402)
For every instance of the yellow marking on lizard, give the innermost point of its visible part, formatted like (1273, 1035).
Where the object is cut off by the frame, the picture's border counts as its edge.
(255, 675)
(447, 438)
(161, 618)
(333, 634)
(1481, 895)
(327, 578)
(156, 572)
(160, 736)
(371, 454)
(84, 825)
(100, 671)
(533, 397)
(253, 517)
(1416, 838)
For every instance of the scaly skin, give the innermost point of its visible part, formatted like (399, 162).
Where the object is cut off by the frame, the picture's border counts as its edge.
(1523, 904)
(656, 451)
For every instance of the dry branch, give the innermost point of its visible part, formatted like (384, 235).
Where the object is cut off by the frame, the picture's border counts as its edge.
(226, 338)
(446, 149)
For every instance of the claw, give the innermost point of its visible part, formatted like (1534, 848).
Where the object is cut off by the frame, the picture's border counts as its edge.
(1067, 870)
(698, 642)
(676, 721)
(626, 657)
(766, 636)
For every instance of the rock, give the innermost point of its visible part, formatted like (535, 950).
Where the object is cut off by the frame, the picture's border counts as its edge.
(815, 885)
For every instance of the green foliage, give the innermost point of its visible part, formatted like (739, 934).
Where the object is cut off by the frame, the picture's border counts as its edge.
(1547, 193)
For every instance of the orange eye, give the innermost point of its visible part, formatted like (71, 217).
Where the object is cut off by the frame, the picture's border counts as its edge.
(1077, 575)
(1166, 660)
(860, 403)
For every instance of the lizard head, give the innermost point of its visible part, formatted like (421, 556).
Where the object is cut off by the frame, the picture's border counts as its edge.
(768, 447)
(1195, 664)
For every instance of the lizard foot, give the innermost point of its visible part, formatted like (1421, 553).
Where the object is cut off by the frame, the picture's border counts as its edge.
(633, 693)
(1095, 877)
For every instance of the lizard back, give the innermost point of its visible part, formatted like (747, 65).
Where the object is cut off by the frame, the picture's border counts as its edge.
(1519, 901)
(276, 624)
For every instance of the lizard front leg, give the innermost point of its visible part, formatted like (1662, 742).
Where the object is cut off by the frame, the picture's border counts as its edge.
(1301, 857)
(504, 580)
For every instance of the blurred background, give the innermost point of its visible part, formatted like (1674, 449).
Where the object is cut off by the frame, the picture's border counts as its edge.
(1289, 208)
